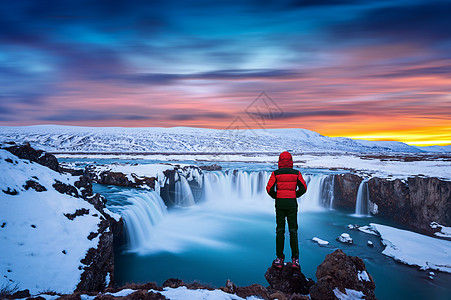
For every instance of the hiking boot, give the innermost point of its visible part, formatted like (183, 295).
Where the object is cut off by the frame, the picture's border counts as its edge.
(278, 263)
(295, 263)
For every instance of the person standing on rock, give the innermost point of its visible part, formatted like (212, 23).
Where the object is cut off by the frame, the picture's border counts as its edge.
(285, 185)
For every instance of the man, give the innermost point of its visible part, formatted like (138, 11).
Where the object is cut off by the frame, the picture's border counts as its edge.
(285, 185)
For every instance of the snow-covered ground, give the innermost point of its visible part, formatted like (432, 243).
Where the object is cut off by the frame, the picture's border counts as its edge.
(190, 140)
(40, 247)
(377, 167)
(415, 249)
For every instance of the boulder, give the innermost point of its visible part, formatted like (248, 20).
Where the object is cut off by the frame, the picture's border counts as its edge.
(340, 272)
(288, 280)
(41, 157)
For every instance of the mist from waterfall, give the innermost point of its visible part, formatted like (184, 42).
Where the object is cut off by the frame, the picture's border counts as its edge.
(150, 228)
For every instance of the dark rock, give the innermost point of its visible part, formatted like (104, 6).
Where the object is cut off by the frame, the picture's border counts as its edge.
(341, 271)
(173, 283)
(78, 212)
(346, 187)
(144, 295)
(213, 167)
(85, 185)
(10, 191)
(25, 151)
(21, 294)
(74, 296)
(288, 280)
(415, 203)
(3, 225)
(134, 286)
(35, 186)
(252, 290)
(65, 188)
(99, 262)
(230, 287)
(9, 160)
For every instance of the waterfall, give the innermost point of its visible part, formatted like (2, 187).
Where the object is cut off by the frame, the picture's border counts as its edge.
(318, 193)
(145, 210)
(332, 193)
(362, 207)
(183, 194)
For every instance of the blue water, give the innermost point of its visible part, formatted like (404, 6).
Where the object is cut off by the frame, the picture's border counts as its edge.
(212, 242)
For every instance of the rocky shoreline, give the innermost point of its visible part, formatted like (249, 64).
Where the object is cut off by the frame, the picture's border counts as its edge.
(339, 275)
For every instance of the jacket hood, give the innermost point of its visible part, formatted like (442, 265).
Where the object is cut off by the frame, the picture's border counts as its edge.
(285, 160)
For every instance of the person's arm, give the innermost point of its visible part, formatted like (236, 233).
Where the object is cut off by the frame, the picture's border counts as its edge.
(271, 186)
(302, 186)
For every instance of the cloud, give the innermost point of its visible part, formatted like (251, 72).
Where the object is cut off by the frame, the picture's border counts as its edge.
(91, 115)
(401, 21)
(234, 74)
(304, 113)
(199, 116)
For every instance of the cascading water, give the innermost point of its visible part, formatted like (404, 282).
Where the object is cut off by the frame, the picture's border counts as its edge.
(362, 207)
(319, 193)
(221, 191)
(145, 210)
(183, 193)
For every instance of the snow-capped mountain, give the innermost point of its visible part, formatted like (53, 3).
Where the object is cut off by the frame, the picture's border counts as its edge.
(188, 140)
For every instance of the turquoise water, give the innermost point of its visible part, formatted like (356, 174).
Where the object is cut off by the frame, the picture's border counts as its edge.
(212, 242)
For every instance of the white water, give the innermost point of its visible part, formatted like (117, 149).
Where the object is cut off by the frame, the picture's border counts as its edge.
(319, 192)
(183, 193)
(362, 204)
(146, 209)
(150, 229)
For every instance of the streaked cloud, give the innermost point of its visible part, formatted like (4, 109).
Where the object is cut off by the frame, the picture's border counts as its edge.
(343, 68)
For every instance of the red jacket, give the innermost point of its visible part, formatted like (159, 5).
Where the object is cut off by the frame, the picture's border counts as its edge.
(286, 182)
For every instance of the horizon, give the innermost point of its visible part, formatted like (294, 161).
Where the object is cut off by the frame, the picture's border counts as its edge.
(373, 70)
(193, 127)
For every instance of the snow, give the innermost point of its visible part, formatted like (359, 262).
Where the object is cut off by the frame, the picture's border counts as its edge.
(363, 276)
(182, 293)
(345, 238)
(368, 229)
(41, 248)
(348, 294)
(444, 231)
(415, 249)
(320, 241)
(122, 293)
(186, 139)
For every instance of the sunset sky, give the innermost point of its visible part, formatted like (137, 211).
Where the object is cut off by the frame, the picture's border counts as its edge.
(377, 70)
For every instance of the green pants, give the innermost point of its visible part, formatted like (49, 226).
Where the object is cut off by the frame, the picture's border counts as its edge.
(287, 209)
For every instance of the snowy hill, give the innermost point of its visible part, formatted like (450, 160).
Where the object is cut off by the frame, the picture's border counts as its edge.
(186, 139)
(45, 234)
(436, 149)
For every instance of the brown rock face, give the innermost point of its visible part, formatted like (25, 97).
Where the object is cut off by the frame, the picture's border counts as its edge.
(415, 204)
(288, 280)
(345, 190)
(41, 157)
(341, 271)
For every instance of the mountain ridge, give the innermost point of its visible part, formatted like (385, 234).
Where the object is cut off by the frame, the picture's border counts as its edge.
(59, 138)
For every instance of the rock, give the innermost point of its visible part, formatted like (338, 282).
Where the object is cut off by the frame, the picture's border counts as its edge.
(99, 262)
(345, 190)
(173, 283)
(25, 151)
(34, 185)
(64, 188)
(253, 290)
(21, 294)
(213, 167)
(341, 271)
(230, 287)
(345, 238)
(288, 280)
(415, 203)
